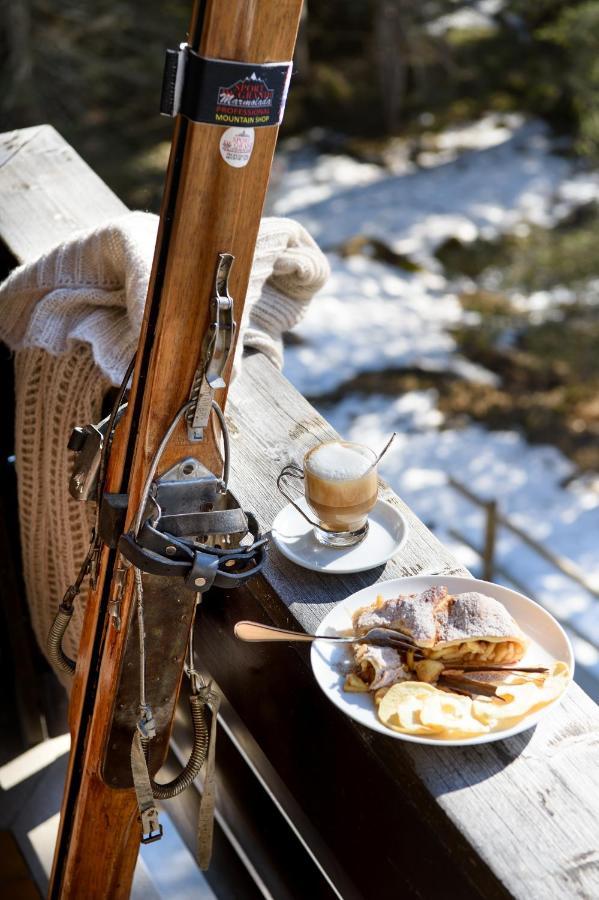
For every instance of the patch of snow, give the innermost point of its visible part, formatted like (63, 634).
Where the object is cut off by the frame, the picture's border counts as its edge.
(483, 193)
(371, 316)
(489, 131)
(478, 16)
(312, 178)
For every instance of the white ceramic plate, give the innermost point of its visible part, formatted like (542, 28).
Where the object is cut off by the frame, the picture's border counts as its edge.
(548, 642)
(295, 539)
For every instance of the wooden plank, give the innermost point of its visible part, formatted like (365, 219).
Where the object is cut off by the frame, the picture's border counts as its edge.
(527, 807)
(47, 192)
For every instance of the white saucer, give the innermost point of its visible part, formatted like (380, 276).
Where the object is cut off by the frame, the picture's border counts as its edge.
(295, 538)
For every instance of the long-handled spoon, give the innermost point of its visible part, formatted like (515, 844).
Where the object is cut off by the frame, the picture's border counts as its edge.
(385, 448)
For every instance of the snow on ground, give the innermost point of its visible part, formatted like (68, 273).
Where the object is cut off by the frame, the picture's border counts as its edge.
(479, 15)
(373, 316)
(482, 193)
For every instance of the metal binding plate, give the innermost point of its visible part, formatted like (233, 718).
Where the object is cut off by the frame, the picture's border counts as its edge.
(168, 612)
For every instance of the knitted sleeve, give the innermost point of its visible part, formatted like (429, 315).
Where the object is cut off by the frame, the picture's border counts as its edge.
(73, 317)
(92, 290)
(297, 269)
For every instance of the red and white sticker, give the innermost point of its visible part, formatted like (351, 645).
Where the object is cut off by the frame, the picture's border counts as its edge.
(236, 146)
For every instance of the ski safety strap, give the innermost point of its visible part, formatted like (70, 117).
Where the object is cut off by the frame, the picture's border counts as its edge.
(151, 829)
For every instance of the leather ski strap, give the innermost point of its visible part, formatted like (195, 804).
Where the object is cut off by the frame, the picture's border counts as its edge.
(150, 826)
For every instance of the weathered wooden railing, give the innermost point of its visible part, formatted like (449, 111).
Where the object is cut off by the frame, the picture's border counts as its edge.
(311, 804)
(493, 519)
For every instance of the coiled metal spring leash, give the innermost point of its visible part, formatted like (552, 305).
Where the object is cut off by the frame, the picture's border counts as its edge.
(61, 622)
(201, 696)
(200, 732)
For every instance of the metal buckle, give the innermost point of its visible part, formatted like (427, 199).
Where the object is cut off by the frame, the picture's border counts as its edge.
(215, 352)
(87, 443)
(151, 837)
(151, 829)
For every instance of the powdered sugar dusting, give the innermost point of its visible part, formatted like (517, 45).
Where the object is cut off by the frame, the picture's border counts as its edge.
(435, 618)
(417, 615)
(475, 615)
(382, 617)
(413, 614)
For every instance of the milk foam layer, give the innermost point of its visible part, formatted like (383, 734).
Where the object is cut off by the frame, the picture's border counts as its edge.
(337, 462)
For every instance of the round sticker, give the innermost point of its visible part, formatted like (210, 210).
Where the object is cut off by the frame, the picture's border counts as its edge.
(236, 146)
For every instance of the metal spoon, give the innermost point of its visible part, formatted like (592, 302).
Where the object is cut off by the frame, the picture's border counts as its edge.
(385, 448)
(381, 637)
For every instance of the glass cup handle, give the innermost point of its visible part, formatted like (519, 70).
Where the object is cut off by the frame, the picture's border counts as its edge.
(294, 471)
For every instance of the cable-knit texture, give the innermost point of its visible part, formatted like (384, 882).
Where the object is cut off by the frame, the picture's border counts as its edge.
(73, 317)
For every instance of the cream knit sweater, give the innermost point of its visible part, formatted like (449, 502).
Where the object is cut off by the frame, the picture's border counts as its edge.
(73, 317)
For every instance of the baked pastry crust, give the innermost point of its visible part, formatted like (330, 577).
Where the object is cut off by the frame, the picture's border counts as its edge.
(467, 627)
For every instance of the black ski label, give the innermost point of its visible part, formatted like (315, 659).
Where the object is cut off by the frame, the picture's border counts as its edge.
(221, 92)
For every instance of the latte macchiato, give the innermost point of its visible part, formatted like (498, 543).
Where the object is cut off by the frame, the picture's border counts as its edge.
(341, 487)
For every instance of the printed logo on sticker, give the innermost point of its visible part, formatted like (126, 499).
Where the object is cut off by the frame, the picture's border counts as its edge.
(247, 100)
(236, 146)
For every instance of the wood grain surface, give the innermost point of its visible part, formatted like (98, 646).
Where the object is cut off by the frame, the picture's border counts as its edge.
(208, 208)
(48, 192)
(525, 810)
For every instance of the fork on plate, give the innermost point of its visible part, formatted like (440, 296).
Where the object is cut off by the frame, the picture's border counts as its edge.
(380, 637)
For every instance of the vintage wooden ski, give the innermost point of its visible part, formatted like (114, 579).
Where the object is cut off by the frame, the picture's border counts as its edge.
(212, 205)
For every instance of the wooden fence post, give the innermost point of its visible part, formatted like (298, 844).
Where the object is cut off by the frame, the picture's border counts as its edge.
(489, 545)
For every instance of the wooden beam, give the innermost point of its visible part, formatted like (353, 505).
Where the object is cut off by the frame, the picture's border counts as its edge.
(48, 192)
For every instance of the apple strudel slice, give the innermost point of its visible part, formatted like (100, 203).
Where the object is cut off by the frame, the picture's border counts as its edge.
(461, 628)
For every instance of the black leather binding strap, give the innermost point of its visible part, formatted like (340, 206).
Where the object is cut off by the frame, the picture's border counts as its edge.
(224, 92)
(225, 521)
(200, 565)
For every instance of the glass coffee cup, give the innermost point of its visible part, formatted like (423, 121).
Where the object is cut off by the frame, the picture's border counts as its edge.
(340, 487)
